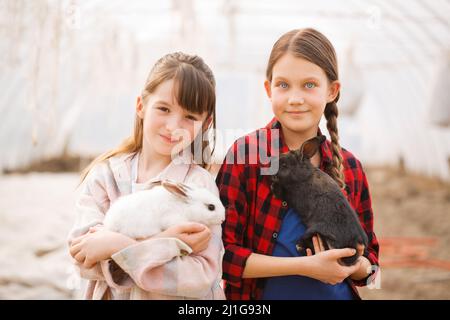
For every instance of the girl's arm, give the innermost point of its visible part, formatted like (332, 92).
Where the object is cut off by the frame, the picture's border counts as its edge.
(365, 214)
(322, 266)
(91, 206)
(98, 245)
(232, 183)
(168, 266)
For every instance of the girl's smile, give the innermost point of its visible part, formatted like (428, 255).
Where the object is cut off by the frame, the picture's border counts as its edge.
(169, 139)
(297, 112)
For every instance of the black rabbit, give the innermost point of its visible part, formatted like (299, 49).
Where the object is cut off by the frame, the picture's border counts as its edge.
(317, 198)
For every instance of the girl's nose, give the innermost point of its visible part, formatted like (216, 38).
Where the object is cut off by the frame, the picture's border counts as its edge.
(172, 123)
(296, 99)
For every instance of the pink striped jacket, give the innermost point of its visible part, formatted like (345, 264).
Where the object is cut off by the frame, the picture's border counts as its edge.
(153, 268)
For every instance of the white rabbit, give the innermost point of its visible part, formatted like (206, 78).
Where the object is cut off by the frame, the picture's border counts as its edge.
(146, 213)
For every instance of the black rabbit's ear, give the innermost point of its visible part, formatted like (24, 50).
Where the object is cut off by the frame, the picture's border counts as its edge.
(310, 147)
(176, 188)
(298, 154)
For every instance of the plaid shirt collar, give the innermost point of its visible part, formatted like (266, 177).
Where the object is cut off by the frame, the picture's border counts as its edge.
(325, 148)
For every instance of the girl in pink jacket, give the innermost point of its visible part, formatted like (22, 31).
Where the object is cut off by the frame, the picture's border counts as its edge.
(174, 112)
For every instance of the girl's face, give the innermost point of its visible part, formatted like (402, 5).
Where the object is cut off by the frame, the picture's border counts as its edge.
(299, 92)
(168, 127)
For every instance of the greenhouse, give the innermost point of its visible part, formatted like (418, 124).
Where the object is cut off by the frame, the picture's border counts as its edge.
(72, 70)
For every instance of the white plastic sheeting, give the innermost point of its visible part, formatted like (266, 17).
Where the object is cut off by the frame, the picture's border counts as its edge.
(71, 70)
(440, 106)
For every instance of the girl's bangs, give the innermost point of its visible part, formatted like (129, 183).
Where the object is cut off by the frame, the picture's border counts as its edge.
(194, 92)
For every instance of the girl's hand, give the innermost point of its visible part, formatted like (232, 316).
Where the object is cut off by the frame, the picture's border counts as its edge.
(98, 245)
(365, 266)
(319, 246)
(325, 264)
(195, 235)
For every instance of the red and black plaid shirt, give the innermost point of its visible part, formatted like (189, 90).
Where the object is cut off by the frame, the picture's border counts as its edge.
(254, 215)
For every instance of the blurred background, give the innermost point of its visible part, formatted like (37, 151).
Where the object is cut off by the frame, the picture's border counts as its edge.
(71, 71)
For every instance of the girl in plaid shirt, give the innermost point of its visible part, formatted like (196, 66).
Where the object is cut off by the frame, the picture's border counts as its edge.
(260, 231)
(178, 98)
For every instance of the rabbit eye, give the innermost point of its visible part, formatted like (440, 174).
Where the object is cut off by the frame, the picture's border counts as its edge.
(211, 207)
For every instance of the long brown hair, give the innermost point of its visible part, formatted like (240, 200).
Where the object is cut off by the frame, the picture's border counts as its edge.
(194, 91)
(311, 45)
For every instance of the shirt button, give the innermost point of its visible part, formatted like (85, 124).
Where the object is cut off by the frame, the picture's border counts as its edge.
(284, 203)
(275, 235)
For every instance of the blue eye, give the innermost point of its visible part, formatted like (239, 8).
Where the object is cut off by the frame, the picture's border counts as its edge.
(283, 85)
(310, 85)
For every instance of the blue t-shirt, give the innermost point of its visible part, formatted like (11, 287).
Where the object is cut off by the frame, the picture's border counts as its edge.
(299, 287)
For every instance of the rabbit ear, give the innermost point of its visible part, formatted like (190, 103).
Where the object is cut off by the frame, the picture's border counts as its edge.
(310, 147)
(155, 183)
(176, 188)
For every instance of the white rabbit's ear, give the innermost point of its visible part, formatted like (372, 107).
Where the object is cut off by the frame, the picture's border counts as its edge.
(155, 183)
(176, 188)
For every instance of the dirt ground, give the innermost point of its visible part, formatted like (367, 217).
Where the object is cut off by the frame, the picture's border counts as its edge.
(36, 213)
(412, 221)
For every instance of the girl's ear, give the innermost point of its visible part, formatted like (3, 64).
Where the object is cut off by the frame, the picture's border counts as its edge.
(333, 90)
(268, 89)
(140, 107)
